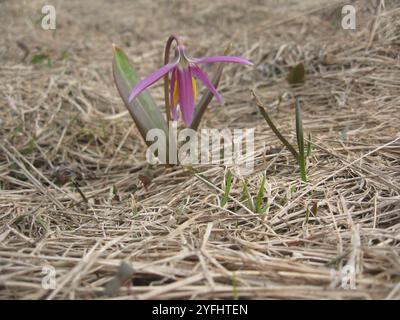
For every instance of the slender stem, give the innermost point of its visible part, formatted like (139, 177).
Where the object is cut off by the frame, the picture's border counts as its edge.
(166, 77)
(275, 129)
(300, 141)
(303, 173)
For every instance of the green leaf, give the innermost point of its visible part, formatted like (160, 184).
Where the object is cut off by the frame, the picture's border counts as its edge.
(114, 189)
(309, 145)
(235, 293)
(143, 109)
(37, 220)
(260, 195)
(30, 146)
(300, 141)
(41, 57)
(42, 223)
(296, 75)
(271, 124)
(248, 197)
(299, 128)
(227, 188)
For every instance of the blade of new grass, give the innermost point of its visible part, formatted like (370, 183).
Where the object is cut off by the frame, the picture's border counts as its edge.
(248, 197)
(275, 129)
(300, 141)
(309, 145)
(260, 194)
(227, 188)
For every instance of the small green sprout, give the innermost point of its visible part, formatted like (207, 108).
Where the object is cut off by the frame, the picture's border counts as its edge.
(41, 57)
(309, 145)
(259, 199)
(227, 188)
(300, 154)
(235, 293)
(301, 159)
(257, 206)
(247, 196)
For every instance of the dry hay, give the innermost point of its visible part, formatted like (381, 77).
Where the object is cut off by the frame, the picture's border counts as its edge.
(66, 120)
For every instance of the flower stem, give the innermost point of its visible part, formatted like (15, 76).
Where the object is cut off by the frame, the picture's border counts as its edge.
(166, 77)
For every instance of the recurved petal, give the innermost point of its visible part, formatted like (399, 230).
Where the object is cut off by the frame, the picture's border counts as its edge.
(197, 72)
(223, 59)
(147, 82)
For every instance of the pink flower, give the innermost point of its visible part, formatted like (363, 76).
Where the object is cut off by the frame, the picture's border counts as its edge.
(184, 69)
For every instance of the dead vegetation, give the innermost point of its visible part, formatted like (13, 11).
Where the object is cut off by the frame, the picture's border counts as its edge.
(73, 175)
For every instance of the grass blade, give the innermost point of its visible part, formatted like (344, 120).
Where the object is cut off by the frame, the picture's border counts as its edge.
(248, 197)
(260, 194)
(300, 141)
(309, 145)
(227, 188)
(274, 129)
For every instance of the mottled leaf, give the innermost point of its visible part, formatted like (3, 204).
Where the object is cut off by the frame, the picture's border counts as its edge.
(143, 109)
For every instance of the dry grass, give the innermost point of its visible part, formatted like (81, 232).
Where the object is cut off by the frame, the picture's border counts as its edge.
(67, 121)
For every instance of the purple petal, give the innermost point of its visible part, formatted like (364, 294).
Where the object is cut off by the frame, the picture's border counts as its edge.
(186, 94)
(224, 59)
(203, 78)
(147, 82)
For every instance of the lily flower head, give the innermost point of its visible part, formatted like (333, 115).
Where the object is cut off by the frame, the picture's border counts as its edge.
(184, 70)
